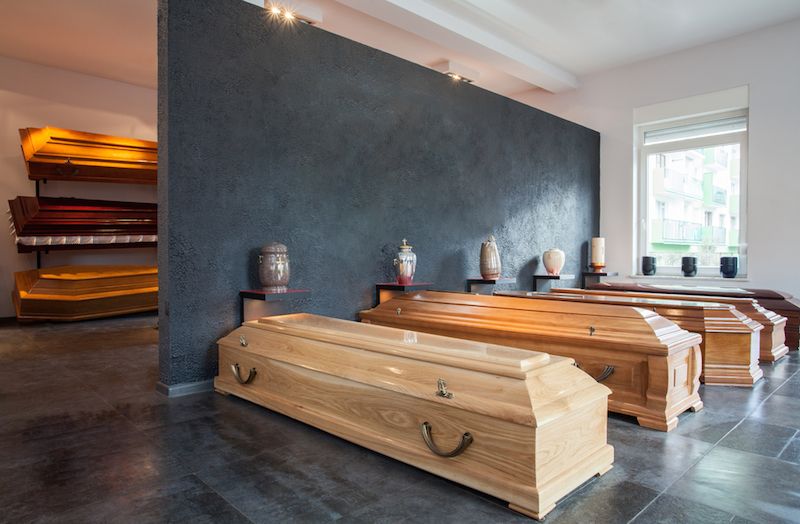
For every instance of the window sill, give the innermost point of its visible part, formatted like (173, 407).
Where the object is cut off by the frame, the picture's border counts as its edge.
(682, 278)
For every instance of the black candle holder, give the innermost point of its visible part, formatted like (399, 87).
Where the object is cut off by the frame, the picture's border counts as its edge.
(689, 266)
(648, 266)
(729, 266)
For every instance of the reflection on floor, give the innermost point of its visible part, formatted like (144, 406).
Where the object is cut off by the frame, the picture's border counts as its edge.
(85, 438)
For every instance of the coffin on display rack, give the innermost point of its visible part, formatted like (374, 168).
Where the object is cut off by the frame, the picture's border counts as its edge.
(69, 293)
(651, 365)
(520, 425)
(63, 154)
(773, 336)
(45, 223)
(730, 339)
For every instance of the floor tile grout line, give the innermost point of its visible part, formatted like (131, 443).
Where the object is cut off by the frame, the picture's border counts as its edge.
(788, 443)
(712, 448)
(220, 495)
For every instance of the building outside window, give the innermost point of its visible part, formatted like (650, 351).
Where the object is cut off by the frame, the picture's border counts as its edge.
(692, 175)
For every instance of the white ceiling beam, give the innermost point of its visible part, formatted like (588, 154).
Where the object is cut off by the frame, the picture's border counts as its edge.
(434, 23)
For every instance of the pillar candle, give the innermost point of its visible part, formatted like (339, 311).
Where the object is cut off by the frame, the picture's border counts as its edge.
(599, 251)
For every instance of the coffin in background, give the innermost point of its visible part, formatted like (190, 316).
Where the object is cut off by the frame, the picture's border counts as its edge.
(730, 342)
(779, 302)
(69, 293)
(651, 365)
(62, 154)
(521, 425)
(772, 346)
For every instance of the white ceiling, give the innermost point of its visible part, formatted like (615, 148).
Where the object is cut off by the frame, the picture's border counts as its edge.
(515, 45)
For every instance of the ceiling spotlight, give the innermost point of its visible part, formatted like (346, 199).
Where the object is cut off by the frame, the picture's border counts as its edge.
(457, 71)
(275, 10)
(288, 15)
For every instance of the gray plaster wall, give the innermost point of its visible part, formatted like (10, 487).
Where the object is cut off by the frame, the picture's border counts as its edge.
(290, 133)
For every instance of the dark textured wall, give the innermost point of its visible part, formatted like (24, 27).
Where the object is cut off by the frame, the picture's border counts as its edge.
(290, 133)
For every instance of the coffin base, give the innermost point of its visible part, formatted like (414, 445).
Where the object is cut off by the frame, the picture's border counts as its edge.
(773, 354)
(731, 376)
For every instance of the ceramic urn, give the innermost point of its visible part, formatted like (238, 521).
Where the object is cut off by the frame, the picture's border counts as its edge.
(273, 268)
(405, 265)
(553, 260)
(490, 260)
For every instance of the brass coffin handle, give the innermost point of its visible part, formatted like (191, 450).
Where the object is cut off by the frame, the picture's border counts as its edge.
(607, 372)
(237, 373)
(466, 440)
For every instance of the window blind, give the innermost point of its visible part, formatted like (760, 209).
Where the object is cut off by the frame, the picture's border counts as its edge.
(722, 126)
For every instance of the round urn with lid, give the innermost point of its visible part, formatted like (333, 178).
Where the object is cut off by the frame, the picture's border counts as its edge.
(273, 268)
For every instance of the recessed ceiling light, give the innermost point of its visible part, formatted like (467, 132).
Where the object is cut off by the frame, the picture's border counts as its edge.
(457, 71)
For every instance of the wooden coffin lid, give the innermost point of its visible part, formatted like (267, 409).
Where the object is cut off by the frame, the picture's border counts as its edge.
(63, 154)
(613, 327)
(48, 216)
(748, 306)
(692, 315)
(465, 354)
(733, 292)
(85, 282)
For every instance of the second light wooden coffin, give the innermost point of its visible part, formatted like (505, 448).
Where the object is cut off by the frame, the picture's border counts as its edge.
(779, 302)
(63, 154)
(772, 346)
(651, 365)
(520, 425)
(730, 339)
(68, 293)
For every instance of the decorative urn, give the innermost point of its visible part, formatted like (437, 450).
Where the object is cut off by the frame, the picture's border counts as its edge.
(553, 260)
(273, 268)
(490, 260)
(405, 264)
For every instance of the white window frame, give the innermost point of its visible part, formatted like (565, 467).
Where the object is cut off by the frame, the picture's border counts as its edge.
(643, 151)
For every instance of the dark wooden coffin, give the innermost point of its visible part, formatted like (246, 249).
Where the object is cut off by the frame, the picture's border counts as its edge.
(72, 223)
(63, 154)
(651, 365)
(730, 343)
(779, 302)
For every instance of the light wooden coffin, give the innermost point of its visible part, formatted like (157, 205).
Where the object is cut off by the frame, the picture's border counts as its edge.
(68, 293)
(520, 425)
(63, 154)
(779, 302)
(730, 345)
(651, 365)
(772, 338)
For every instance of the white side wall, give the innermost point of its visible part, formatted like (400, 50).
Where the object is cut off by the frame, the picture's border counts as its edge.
(36, 96)
(767, 60)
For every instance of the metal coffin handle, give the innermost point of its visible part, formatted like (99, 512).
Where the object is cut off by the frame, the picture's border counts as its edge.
(237, 373)
(466, 440)
(608, 370)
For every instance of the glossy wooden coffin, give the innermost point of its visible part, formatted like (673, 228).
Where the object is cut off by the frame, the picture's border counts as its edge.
(772, 339)
(651, 365)
(520, 425)
(779, 302)
(45, 223)
(730, 345)
(69, 293)
(63, 154)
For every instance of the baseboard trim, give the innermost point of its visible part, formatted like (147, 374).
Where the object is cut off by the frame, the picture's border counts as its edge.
(185, 388)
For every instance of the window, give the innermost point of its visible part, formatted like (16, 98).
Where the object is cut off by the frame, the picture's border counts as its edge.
(692, 182)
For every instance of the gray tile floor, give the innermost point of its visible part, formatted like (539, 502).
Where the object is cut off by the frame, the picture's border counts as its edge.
(84, 438)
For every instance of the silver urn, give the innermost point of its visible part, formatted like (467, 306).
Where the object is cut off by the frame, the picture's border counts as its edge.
(405, 264)
(273, 268)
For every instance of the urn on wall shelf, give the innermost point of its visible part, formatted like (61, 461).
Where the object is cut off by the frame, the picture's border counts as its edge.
(273, 268)
(405, 264)
(490, 260)
(553, 260)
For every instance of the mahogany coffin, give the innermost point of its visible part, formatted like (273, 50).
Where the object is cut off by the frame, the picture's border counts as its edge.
(69, 293)
(772, 339)
(730, 339)
(71, 223)
(523, 426)
(651, 365)
(779, 302)
(63, 154)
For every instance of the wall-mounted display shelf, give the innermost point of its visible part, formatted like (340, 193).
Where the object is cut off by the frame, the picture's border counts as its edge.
(597, 276)
(541, 279)
(484, 286)
(388, 290)
(257, 303)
